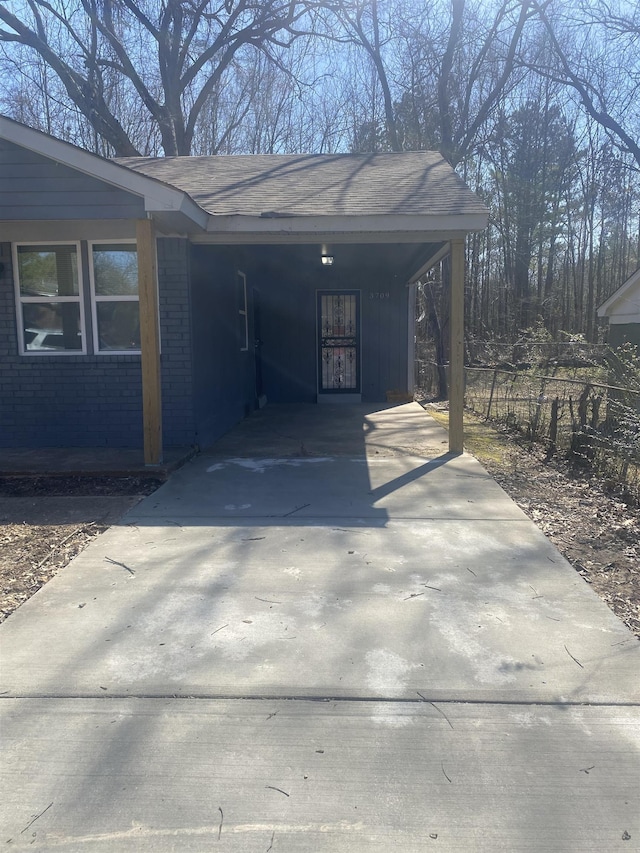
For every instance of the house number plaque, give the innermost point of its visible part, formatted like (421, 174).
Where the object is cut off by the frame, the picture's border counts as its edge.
(379, 294)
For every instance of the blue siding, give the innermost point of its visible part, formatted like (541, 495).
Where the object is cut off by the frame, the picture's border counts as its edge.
(63, 401)
(288, 278)
(91, 400)
(208, 383)
(224, 378)
(34, 187)
(385, 337)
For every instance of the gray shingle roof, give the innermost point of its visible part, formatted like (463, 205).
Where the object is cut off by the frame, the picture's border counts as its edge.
(412, 183)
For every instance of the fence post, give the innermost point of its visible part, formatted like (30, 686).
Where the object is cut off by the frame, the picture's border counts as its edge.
(581, 444)
(535, 424)
(493, 388)
(553, 428)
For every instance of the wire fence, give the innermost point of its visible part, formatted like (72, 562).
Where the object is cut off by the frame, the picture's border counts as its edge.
(595, 424)
(526, 353)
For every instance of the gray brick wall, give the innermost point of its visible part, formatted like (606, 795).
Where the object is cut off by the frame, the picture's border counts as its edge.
(96, 400)
(175, 331)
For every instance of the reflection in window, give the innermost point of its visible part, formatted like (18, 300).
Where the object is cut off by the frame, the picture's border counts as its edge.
(114, 270)
(51, 326)
(118, 325)
(49, 308)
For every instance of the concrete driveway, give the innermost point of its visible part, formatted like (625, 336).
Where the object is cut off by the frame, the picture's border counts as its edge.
(325, 635)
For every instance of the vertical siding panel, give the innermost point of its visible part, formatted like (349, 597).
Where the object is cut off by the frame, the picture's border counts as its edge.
(224, 381)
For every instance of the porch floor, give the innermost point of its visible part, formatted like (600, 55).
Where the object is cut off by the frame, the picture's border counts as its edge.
(277, 430)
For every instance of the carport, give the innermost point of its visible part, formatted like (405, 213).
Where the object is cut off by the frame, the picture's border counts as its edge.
(231, 281)
(366, 226)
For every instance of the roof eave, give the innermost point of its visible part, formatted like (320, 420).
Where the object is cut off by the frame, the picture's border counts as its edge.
(619, 295)
(350, 228)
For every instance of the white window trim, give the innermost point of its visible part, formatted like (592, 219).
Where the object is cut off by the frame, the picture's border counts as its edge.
(95, 299)
(243, 311)
(23, 300)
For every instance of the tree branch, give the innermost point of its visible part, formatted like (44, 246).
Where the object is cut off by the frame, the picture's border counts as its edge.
(586, 90)
(85, 96)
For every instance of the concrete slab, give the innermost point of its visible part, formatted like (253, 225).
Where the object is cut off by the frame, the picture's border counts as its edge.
(210, 489)
(359, 645)
(453, 610)
(334, 430)
(145, 775)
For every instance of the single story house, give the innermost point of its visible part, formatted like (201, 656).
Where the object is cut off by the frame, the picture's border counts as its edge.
(154, 302)
(622, 310)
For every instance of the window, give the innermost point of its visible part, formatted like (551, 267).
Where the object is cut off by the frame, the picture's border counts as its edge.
(49, 305)
(114, 288)
(243, 327)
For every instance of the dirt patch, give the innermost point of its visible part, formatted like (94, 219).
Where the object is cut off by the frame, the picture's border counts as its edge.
(62, 485)
(46, 521)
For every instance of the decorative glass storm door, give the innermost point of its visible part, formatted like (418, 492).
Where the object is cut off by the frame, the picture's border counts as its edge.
(339, 341)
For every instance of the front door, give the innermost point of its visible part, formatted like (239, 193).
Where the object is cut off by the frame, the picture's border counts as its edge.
(338, 342)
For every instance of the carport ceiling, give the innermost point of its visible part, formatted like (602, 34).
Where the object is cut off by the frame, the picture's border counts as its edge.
(399, 261)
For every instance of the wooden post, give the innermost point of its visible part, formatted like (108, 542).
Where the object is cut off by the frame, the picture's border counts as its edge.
(456, 348)
(149, 341)
(493, 388)
(411, 340)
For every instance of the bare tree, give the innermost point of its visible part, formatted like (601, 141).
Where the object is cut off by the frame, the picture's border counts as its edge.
(595, 48)
(458, 59)
(165, 57)
(476, 69)
(363, 24)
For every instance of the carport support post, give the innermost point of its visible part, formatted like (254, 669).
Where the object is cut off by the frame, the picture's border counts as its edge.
(149, 341)
(456, 348)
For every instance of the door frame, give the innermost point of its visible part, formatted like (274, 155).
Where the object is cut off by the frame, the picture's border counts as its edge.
(348, 395)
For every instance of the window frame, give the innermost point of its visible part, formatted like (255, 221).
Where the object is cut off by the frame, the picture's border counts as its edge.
(95, 298)
(21, 300)
(243, 311)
